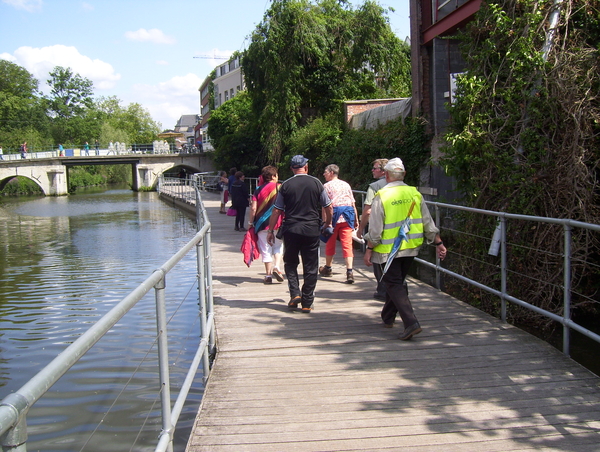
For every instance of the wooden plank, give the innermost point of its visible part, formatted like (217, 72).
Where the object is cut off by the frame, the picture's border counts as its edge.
(335, 380)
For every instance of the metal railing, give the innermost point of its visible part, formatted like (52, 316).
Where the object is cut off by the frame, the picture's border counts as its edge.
(500, 241)
(14, 407)
(133, 149)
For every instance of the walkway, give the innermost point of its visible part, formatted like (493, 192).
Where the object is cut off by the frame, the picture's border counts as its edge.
(335, 380)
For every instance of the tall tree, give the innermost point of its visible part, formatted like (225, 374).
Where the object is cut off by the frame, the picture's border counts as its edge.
(305, 58)
(69, 101)
(70, 94)
(235, 137)
(22, 110)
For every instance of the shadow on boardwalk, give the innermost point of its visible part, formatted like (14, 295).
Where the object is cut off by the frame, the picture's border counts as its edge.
(335, 380)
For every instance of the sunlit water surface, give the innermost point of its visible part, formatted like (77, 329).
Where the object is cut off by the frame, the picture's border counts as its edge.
(66, 261)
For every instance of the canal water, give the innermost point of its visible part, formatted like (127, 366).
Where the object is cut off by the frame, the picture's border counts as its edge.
(66, 261)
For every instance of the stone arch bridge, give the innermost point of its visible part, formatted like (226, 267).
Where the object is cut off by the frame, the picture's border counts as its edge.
(51, 174)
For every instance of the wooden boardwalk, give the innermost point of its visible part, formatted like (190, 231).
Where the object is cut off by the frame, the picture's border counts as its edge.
(335, 380)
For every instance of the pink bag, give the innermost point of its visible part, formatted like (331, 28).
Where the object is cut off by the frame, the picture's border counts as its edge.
(231, 212)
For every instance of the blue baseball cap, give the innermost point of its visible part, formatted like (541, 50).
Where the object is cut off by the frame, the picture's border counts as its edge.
(298, 161)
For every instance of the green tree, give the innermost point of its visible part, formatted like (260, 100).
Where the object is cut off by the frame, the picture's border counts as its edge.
(305, 58)
(69, 101)
(235, 137)
(22, 110)
(133, 122)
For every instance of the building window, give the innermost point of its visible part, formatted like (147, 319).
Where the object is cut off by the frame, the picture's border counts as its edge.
(231, 93)
(226, 96)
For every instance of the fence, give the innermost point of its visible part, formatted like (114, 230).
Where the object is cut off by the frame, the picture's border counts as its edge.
(501, 268)
(14, 407)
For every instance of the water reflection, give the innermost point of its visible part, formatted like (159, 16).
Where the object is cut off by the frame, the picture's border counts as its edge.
(65, 262)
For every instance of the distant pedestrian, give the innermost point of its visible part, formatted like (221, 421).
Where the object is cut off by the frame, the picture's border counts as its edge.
(23, 150)
(231, 179)
(223, 184)
(301, 198)
(240, 199)
(97, 147)
(60, 150)
(379, 174)
(399, 215)
(87, 148)
(345, 220)
(1, 153)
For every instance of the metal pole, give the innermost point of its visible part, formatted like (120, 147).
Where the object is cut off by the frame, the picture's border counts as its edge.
(503, 269)
(438, 273)
(567, 290)
(163, 361)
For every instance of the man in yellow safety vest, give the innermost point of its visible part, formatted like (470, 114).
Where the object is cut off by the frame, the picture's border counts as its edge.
(399, 210)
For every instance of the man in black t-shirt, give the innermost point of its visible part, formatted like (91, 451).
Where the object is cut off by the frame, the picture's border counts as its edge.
(301, 199)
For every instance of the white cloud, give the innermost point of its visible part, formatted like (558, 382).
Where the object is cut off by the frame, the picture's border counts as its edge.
(27, 5)
(162, 63)
(41, 61)
(153, 35)
(168, 100)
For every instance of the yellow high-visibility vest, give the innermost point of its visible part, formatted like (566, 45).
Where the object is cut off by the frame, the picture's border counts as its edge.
(397, 203)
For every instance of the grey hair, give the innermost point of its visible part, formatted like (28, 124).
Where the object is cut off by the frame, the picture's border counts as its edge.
(333, 168)
(396, 175)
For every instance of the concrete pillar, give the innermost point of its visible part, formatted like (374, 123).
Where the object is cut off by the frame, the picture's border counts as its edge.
(57, 183)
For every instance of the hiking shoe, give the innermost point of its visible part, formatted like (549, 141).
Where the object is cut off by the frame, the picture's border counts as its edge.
(307, 309)
(293, 304)
(349, 278)
(268, 280)
(325, 271)
(278, 275)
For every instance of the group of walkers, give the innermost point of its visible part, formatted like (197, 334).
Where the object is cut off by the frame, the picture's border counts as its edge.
(291, 218)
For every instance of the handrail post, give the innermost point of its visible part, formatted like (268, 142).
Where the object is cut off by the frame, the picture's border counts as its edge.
(438, 274)
(503, 269)
(567, 290)
(163, 361)
(15, 439)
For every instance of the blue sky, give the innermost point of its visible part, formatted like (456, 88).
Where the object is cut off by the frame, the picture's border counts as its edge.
(139, 51)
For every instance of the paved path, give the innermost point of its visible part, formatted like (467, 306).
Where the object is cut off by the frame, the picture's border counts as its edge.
(335, 380)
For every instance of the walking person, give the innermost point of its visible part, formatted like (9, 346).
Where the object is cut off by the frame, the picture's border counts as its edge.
(345, 220)
(379, 174)
(23, 150)
(1, 153)
(261, 208)
(97, 147)
(392, 207)
(223, 184)
(240, 196)
(301, 198)
(87, 148)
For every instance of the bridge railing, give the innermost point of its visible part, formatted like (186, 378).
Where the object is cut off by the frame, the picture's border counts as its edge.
(52, 152)
(14, 407)
(502, 261)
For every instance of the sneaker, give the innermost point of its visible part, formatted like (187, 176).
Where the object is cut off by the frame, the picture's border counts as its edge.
(325, 271)
(388, 325)
(349, 278)
(268, 280)
(278, 275)
(293, 304)
(410, 332)
(307, 309)
(242, 229)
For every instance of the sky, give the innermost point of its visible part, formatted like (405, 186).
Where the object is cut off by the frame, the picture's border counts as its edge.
(153, 52)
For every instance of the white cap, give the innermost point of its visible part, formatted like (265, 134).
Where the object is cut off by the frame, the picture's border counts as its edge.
(394, 165)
